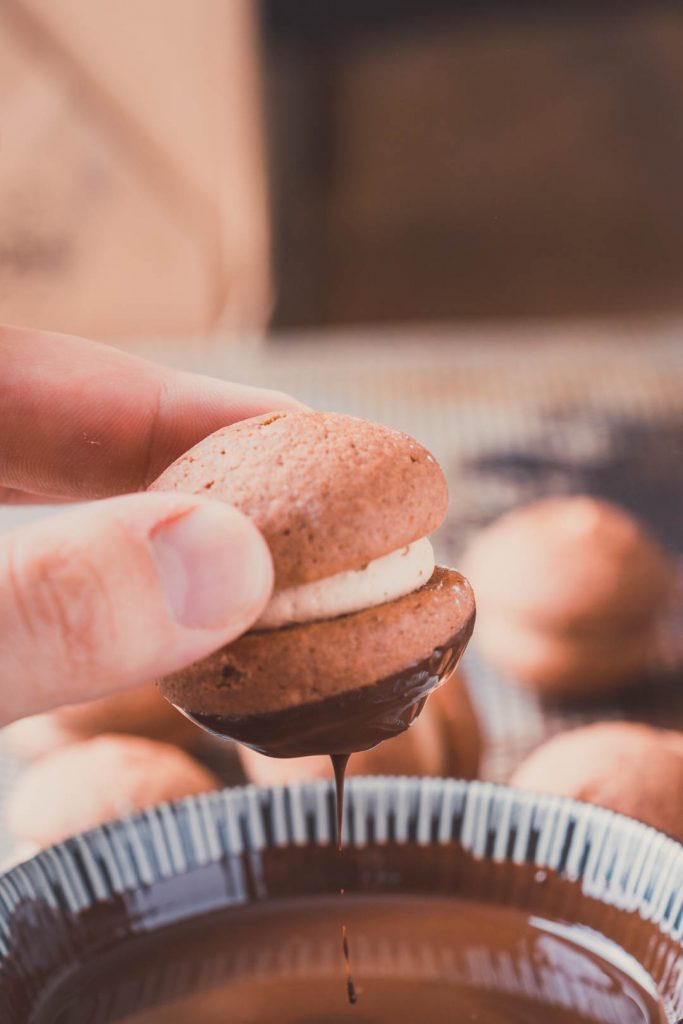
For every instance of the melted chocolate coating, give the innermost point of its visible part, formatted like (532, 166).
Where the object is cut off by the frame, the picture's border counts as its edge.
(423, 959)
(436, 935)
(355, 720)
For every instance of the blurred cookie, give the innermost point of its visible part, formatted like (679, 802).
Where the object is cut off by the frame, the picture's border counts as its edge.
(86, 784)
(569, 593)
(633, 769)
(141, 711)
(560, 666)
(444, 741)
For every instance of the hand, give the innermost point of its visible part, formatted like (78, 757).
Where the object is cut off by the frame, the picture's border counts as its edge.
(109, 595)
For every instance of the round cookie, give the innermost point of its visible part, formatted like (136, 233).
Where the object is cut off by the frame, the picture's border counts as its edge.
(568, 563)
(633, 769)
(345, 506)
(569, 593)
(313, 483)
(445, 741)
(84, 785)
(558, 666)
(141, 711)
(267, 671)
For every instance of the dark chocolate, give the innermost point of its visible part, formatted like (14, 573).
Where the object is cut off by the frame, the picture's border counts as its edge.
(357, 719)
(431, 927)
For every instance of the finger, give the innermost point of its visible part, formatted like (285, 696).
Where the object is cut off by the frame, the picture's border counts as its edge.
(82, 420)
(13, 496)
(121, 591)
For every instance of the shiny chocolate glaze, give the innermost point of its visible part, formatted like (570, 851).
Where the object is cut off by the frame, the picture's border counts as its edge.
(436, 936)
(355, 720)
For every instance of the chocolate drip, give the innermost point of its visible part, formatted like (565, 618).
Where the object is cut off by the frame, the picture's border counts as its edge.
(357, 719)
(339, 763)
(350, 987)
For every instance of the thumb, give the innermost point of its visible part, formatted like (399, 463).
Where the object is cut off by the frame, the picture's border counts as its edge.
(120, 591)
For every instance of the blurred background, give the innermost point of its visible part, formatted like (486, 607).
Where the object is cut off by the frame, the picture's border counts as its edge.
(170, 167)
(463, 219)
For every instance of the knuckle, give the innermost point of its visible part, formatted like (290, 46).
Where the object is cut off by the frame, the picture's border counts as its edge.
(62, 603)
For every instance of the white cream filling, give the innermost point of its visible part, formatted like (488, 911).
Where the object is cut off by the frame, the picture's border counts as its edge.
(383, 579)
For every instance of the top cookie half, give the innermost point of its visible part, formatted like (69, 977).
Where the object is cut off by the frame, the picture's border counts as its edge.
(329, 492)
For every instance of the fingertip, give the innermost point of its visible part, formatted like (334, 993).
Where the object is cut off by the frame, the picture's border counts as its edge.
(215, 568)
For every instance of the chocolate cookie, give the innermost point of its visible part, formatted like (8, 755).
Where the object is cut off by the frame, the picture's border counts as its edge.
(361, 625)
(444, 741)
(570, 591)
(626, 767)
(328, 491)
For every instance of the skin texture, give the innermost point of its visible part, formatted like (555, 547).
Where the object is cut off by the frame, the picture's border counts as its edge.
(329, 492)
(139, 573)
(124, 774)
(569, 595)
(633, 769)
(82, 420)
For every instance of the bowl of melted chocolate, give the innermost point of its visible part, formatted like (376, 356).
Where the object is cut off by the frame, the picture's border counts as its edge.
(447, 901)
